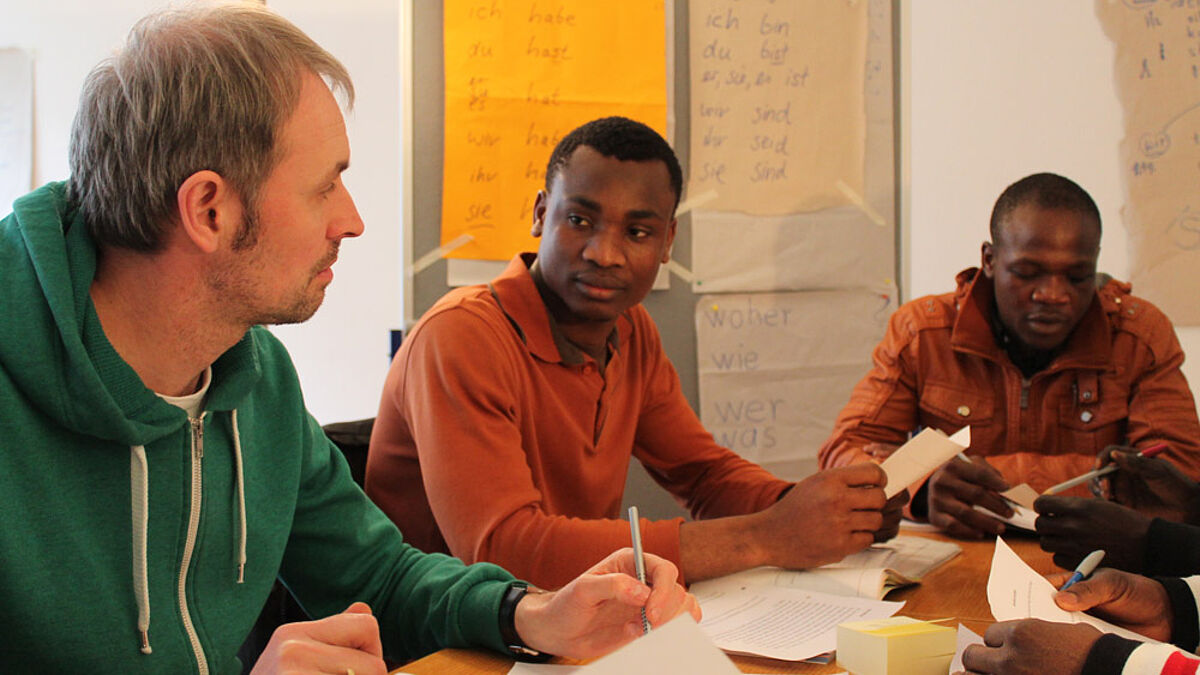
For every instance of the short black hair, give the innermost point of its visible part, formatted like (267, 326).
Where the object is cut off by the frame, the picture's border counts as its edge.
(1045, 191)
(620, 138)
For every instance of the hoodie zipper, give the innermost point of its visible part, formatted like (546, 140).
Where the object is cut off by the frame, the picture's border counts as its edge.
(190, 544)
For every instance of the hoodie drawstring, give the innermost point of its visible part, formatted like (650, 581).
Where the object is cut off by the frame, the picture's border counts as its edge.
(140, 497)
(241, 493)
(139, 480)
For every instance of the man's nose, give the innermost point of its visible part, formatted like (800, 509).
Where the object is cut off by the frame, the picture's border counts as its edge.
(1052, 290)
(604, 248)
(346, 221)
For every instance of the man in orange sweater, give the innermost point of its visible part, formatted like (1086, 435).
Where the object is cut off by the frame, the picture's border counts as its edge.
(513, 408)
(1048, 362)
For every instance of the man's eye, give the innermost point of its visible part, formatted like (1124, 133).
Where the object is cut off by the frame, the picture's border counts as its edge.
(577, 221)
(639, 232)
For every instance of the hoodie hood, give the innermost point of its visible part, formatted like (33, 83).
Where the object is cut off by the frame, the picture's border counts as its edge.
(51, 342)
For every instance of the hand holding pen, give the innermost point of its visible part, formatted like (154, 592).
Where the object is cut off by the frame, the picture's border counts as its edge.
(1102, 471)
(1084, 569)
(639, 557)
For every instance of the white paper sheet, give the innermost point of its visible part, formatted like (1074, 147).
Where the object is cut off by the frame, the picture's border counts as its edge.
(966, 638)
(680, 646)
(1022, 517)
(921, 456)
(1015, 591)
(780, 623)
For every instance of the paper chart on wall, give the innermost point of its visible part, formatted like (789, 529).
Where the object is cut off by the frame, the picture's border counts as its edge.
(777, 103)
(16, 126)
(519, 75)
(776, 368)
(848, 243)
(1158, 82)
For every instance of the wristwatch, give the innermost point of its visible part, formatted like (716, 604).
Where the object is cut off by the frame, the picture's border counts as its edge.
(508, 625)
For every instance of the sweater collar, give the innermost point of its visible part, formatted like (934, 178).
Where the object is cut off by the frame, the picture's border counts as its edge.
(1088, 346)
(518, 297)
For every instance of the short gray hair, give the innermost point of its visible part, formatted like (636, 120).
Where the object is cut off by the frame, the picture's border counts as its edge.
(205, 86)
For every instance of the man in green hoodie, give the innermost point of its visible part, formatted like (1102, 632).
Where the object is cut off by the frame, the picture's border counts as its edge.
(158, 470)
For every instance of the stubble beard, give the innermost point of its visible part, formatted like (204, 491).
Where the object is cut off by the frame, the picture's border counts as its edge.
(235, 290)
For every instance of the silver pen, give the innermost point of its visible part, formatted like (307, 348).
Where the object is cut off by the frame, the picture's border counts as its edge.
(639, 562)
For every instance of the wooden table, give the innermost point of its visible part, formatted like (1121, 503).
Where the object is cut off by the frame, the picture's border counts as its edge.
(957, 589)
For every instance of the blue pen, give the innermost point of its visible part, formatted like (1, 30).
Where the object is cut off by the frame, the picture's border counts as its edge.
(1089, 565)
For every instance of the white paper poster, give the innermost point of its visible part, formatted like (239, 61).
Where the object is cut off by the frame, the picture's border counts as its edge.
(16, 126)
(776, 368)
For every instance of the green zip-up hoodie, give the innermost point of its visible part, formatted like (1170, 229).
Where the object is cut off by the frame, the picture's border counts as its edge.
(98, 474)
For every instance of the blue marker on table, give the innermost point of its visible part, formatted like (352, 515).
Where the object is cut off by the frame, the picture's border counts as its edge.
(639, 563)
(1086, 567)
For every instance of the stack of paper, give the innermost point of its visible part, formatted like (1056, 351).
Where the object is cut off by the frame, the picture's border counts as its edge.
(779, 622)
(895, 646)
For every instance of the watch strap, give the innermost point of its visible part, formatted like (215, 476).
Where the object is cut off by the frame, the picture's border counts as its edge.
(508, 625)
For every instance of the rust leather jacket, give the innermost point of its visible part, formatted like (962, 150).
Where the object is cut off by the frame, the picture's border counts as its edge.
(1116, 381)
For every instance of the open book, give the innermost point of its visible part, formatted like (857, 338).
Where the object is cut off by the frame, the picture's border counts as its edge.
(871, 573)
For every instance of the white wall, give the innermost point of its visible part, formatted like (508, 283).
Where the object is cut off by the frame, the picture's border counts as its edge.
(342, 353)
(991, 92)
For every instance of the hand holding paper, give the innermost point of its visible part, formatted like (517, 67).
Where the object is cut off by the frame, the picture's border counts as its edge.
(1015, 591)
(824, 518)
(922, 455)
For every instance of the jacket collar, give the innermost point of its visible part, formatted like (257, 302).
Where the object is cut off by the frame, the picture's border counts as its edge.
(1088, 346)
(518, 297)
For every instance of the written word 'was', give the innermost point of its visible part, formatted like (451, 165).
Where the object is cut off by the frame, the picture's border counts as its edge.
(751, 438)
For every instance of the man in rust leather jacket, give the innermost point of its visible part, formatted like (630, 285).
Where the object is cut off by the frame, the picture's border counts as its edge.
(1048, 362)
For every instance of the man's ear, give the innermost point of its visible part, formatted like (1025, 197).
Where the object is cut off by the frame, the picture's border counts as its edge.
(987, 259)
(666, 257)
(539, 213)
(208, 209)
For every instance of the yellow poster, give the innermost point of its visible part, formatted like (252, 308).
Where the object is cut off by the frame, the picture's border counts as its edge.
(521, 74)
